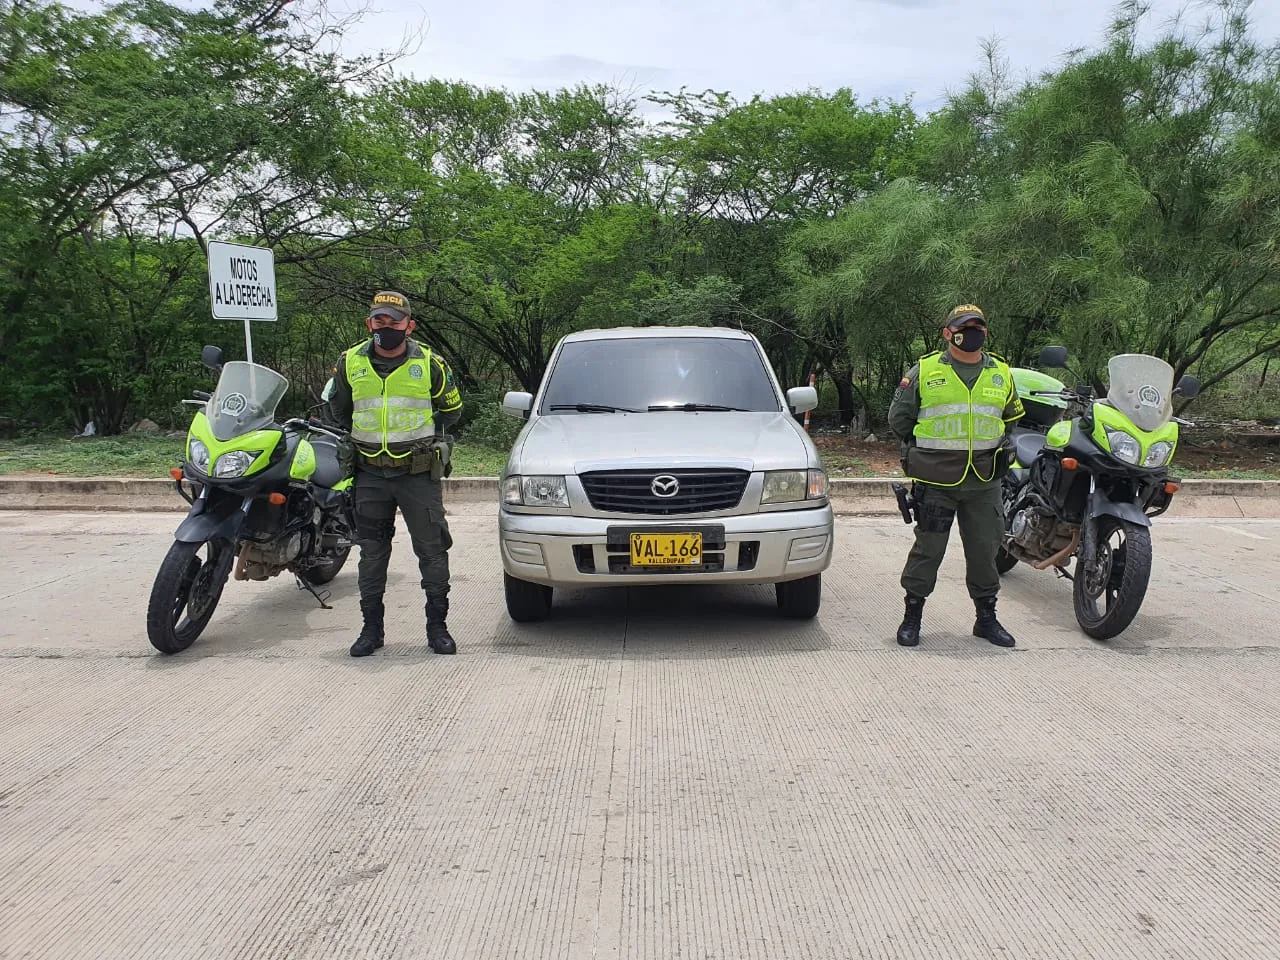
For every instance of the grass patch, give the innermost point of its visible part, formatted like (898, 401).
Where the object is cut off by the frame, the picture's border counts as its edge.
(146, 455)
(1228, 474)
(476, 460)
(134, 455)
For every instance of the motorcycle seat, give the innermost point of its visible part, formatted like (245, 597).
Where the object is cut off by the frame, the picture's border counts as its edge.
(1027, 446)
(328, 472)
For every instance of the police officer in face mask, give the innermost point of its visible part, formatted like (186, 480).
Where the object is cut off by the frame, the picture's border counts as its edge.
(953, 412)
(398, 398)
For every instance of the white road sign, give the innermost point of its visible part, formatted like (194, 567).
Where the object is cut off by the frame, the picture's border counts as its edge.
(242, 281)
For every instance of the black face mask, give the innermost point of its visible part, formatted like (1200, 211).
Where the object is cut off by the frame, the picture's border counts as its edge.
(389, 338)
(970, 339)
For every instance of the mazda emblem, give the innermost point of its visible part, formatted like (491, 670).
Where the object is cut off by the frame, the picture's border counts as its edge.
(665, 486)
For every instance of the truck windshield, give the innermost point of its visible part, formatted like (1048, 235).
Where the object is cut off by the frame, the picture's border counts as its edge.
(659, 374)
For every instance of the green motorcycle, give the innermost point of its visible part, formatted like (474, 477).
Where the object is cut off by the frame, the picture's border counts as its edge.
(1087, 477)
(266, 497)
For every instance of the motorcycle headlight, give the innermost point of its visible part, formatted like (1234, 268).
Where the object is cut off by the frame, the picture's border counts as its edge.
(1159, 454)
(536, 491)
(199, 456)
(234, 464)
(1124, 447)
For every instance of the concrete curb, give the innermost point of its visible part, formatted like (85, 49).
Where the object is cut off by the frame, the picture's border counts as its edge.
(871, 496)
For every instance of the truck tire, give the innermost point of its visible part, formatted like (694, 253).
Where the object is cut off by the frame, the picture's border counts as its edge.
(800, 599)
(526, 602)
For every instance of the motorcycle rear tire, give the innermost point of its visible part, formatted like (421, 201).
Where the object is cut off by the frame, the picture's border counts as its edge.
(167, 629)
(323, 574)
(1129, 583)
(1005, 561)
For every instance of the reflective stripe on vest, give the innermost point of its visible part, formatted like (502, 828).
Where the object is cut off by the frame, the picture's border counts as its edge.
(955, 423)
(395, 411)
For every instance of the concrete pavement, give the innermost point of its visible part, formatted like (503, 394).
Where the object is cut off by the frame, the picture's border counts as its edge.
(670, 773)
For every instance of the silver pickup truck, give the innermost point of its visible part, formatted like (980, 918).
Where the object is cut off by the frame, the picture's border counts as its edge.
(662, 455)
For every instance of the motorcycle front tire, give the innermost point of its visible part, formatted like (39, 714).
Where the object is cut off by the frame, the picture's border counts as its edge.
(173, 621)
(1126, 587)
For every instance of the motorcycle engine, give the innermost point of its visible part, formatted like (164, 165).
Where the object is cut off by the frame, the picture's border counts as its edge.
(1034, 533)
(262, 561)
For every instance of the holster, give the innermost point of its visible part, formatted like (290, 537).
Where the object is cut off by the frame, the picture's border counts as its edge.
(435, 459)
(907, 504)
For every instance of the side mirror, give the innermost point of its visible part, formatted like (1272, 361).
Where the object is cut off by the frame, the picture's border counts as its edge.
(1187, 387)
(211, 357)
(802, 399)
(517, 404)
(1054, 357)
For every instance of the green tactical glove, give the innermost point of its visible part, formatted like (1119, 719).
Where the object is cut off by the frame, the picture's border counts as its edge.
(347, 457)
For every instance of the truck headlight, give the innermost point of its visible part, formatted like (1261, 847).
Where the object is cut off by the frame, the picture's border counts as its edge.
(200, 456)
(1124, 447)
(536, 491)
(235, 463)
(791, 486)
(1159, 454)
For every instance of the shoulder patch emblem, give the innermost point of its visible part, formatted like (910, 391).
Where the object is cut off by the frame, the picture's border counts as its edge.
(906, 382)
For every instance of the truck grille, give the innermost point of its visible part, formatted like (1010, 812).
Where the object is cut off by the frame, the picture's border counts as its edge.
(631, 491)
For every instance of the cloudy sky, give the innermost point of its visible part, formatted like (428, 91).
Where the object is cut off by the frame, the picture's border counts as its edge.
(876, 47)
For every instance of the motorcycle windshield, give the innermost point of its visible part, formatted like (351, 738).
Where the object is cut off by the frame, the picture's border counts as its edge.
(245, 400)
(1141, 387)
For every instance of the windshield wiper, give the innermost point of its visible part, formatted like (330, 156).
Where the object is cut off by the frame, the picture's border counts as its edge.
(592, 408)
(696, 407)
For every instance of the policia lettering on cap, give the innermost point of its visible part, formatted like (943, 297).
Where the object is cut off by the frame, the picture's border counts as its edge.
(397, 398)
(953, 412)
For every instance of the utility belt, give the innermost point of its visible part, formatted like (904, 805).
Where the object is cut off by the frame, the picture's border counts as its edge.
(432, 457)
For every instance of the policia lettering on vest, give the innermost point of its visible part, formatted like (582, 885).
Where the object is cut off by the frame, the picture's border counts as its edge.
(398, 398)
(953, 412)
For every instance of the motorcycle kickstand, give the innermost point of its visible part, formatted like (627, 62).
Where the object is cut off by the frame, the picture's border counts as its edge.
(303, 585)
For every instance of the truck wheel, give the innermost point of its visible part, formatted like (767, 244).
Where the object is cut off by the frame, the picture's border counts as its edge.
(526, 602)
(800, 599)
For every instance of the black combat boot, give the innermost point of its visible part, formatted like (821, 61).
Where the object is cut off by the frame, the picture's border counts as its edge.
(987, 626)
(371, 633)
(909, 632)
(438, 638)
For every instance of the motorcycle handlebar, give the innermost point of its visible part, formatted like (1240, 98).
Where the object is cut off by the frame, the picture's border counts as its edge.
(317, 426)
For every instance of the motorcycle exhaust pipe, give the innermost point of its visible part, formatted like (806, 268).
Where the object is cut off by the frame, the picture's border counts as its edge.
(1061, 555)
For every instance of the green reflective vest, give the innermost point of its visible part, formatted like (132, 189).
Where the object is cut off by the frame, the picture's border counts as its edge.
(958, 430)
(389, 416)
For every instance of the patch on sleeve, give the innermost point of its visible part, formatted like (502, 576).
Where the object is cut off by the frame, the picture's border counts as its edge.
(905, 382)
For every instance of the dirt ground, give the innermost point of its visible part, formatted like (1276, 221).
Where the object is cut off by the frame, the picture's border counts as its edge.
(1224, 449)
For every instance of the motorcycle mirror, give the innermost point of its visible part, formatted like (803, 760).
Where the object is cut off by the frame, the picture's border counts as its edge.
(1187, 387)
(1054, 357)
(211, 357)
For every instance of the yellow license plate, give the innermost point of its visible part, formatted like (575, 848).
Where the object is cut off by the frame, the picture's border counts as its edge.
(666, 549)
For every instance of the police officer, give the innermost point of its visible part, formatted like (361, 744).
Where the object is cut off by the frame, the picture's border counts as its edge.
(397, 398)
(953, 412)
